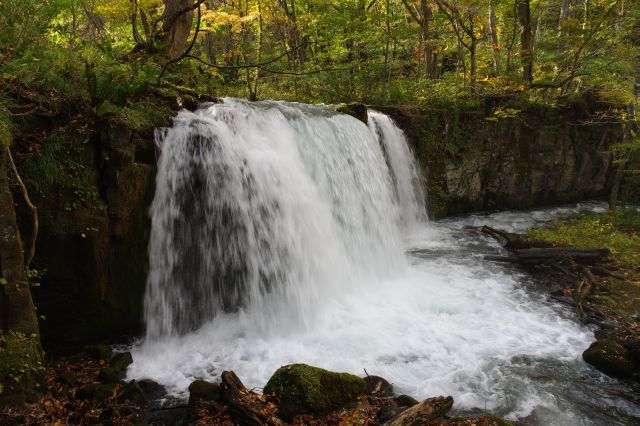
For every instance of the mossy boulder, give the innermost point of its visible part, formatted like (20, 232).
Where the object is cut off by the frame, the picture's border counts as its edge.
(97, 391)
(406, 401)
(354, 109)
(134, 393)
(116, 369)
(303, 389)
(612, 358)
(201, 391)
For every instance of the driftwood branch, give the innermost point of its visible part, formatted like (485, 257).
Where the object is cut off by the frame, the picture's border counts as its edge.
(537, 256)
(34, 211)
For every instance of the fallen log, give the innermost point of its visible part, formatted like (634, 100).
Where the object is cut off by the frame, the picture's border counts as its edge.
(423, 413)
(513, 241)
(536, 256)
(245, 407)
(505, 259)
(543, 255)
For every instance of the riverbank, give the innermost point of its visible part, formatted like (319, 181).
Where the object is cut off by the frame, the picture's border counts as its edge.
(87, 388)
(592, 263)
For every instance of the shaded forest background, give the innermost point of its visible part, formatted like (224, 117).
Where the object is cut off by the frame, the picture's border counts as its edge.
(376, 51)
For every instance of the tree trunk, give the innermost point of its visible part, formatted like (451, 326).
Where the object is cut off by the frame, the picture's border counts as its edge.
(493, 29)
(428, 56)
(176, 26)
(526, 40)
(22, 354)
(473, 62)
(16, 311)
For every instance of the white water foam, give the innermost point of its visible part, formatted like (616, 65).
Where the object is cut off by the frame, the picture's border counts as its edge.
(355, 289)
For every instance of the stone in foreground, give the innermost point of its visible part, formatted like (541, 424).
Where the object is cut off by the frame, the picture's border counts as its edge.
(303, 389)
(611, 358)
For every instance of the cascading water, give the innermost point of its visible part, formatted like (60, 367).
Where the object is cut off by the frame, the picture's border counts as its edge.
(270, 209)
(288, 233)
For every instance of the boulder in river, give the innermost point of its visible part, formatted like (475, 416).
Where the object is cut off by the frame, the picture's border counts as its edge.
(303, 389)
(116, 369)
(612, 358)
(377, 386)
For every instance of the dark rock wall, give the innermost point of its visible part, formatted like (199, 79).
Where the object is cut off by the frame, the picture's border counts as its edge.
(475, 161)
(95, 251)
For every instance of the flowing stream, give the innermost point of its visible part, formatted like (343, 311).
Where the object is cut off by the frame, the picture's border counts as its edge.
(286, 233)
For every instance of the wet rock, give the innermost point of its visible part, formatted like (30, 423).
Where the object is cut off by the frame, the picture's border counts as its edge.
(116, 369)
(152, 389)
(354, 109)
(427, 411)
(97, 391)
(98, 351)
(202, 391)
(406, 401)
(134, 393)
(611, 358)
(303, 389)
(378, 386)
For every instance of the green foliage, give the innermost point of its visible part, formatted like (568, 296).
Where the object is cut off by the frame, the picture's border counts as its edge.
(6, 125)
(61, 164)
(21, 361)
(618, 231)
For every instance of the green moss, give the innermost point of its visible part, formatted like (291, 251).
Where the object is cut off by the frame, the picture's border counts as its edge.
(21, 368)
(356, 110)
(303, 389)
(616, 231)
(203, 390)
(62, 163)
(406, 401)
(116, 369)
(6, 125)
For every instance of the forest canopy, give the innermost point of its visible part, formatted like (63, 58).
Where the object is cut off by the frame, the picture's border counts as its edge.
(377, 51)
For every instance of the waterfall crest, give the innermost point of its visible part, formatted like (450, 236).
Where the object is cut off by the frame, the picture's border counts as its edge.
(269, 209)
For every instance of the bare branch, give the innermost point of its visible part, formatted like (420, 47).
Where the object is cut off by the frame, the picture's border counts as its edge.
(34, 210)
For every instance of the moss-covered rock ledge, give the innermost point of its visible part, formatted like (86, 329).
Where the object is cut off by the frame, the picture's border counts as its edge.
(509, 153)
(91, 174)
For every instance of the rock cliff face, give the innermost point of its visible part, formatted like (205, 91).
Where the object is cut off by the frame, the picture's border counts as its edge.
(93, 196)
(479, 160)
(92, 242)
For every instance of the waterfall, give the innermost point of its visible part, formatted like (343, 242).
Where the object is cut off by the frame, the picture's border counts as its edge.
(271, 209)
(286, 233)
